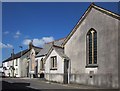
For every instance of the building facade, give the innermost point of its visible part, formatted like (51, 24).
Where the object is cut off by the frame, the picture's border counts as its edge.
(94, 44)
(18, 64)
(40, 57)
(56, 66)
(88, 55)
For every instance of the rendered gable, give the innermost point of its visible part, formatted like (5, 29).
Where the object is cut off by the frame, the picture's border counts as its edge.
(107, 37)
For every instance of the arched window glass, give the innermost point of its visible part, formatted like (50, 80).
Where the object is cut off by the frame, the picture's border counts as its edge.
(42, 64)
(91, 47)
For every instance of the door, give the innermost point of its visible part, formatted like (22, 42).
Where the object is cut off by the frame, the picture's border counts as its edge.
(28, 69)
(66, 66)
(36, 69)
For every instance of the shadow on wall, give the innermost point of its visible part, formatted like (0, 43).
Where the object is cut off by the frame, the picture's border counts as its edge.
(6, 86)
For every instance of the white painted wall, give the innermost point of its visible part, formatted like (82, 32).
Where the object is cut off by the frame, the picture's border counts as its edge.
(87, 70)
(10, 63)
(60, 63)
(1, 69)
(5, 64)
(17, 68)
(55, 74)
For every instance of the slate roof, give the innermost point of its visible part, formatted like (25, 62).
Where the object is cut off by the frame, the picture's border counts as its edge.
(47, 46)
(17, 55)
(59, 50)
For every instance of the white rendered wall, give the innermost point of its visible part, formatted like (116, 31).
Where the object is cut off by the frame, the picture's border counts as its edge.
(54, 75)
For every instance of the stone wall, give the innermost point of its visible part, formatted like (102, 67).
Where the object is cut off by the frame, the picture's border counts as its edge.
(100, 80)
(55, 77)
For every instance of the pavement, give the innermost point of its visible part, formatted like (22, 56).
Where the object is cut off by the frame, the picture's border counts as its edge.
(37, 84)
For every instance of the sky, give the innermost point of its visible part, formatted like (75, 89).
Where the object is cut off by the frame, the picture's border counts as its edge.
(40, 22)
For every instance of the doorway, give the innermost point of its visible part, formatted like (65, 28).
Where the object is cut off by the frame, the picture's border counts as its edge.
(66, 66)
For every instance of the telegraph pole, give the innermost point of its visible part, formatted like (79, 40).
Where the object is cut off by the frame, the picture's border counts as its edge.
(21, 49)
(20, 59)
(12, 67)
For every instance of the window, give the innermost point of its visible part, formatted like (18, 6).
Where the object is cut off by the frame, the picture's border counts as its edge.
(91, 47)
(36, 53)
(8, 64)
(42, 64)
(16, 71)
(16, 62)
(54, 62)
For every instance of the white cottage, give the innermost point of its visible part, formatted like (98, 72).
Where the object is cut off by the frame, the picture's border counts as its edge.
(40, 63)
(56, 64)
(12, 65)
(17, 65)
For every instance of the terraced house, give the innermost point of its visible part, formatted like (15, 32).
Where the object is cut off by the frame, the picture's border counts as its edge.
(18, 64)
(40, 57)
(88, 55)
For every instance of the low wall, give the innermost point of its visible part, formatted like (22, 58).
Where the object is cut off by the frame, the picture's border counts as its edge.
(101, 80)
(54, 77)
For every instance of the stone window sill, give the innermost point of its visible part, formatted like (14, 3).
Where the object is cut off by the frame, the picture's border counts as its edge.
(91, 66)
(53, 69)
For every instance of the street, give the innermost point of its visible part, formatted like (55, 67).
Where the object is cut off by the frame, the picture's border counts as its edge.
(38, 85)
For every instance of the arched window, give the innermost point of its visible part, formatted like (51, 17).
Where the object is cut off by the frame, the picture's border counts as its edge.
(42, 64)
(91, 47)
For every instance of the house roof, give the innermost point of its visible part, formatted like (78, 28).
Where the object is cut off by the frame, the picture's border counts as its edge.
(37, 47)
(17, 55)
(47, 46)
(116, 16)
(59, 50)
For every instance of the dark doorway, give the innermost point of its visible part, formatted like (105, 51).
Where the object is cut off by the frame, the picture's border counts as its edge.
(28, 71)
(42, 75)
(66, 66)
(36, 71)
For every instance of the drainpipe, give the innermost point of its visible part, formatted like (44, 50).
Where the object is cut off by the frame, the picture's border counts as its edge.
(49, 73)
(69, 69)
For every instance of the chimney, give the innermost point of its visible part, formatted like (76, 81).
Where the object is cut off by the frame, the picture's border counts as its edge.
(13, 51)
(12, 54)
(31, 44)
(53, 43)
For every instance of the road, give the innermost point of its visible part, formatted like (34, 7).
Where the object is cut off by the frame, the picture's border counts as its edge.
(39, 85)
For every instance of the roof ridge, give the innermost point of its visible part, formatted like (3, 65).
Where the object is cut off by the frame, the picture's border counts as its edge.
(57, 46)
(15, 55)
(56, 40)
(92, 5)
(37, 47)
(105, 10)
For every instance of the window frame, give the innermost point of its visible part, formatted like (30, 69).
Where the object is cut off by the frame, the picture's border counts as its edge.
(16, 71)
(91, 54)
(53, 62)
(42, 64)
(16, 63)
